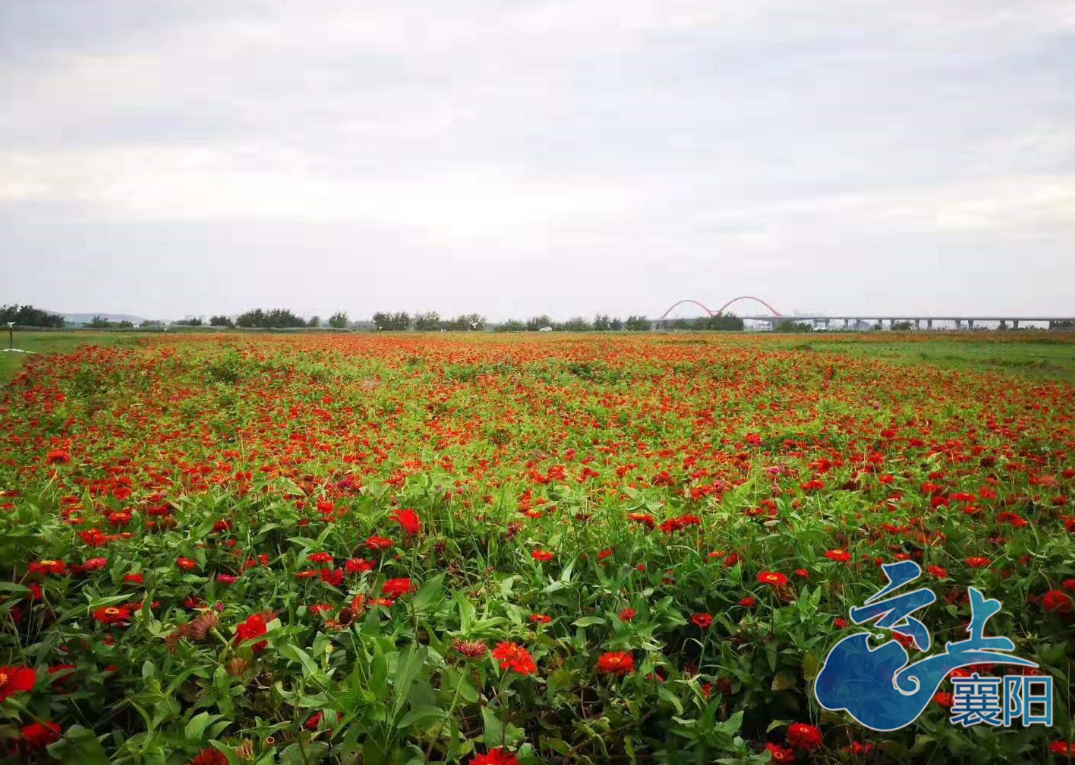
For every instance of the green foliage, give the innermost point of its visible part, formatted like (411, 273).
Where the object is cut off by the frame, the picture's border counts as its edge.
(277, 318)
(338, 320)
(392, 322)
(28, 316)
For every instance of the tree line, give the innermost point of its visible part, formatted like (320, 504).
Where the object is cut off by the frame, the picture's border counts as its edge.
(28, 316)
(430, 321)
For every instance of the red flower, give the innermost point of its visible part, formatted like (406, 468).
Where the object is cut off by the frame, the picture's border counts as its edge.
(58, 457)
(772, 578)
(379, 543)
(616, 663)
(540, 619)
(1057, 602)
(803, 736)
(133, 579)
(253, 627)
(627, 614)
(396, 588)
(978, 562)
(748, 602)
(209, 756)
(113, 614)
(780, 754)
(15, 679)
(409, 520)
(497, 756)
(704, 621)
(1063, 748)
(358, 565)
(515, 658)
(38, 736)
(541, 555)
(186, 564)
(938, 571)
(320, 557)
(472, 649)
(838, 555)
(46, 567)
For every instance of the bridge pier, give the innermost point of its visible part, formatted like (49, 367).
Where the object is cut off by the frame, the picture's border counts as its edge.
(929, 324)
(1015, 324)
(970, 323)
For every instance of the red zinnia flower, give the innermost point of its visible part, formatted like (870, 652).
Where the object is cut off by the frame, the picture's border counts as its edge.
(16, 680)
(209, 756)
(748, 602)
(978, 562)
(358, 565)
(772, 578)
(803, 736)
(780, 754)
(395, 588)
(497, 756)
(186, 564)
(58, 457)
(704, 621)
(253, 627)
(409, 520)
(514, 657)
(55, 567)
(1057, 602)
(838, 555)
(113, 614)
(616, 663)
(379, 543)
(541, 555)
(38, 736)
(627, 614)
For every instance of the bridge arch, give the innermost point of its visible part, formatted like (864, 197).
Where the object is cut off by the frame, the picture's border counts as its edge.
(678, 303)
(748, 297)
(720, 310)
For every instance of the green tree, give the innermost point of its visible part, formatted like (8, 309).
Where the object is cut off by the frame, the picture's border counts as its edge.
(338, 320)
(637, 324)
(427, 322)
(534, 323)
(221, 321)
(28, 316)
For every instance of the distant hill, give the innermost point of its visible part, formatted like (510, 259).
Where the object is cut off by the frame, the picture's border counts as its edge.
(86, 318)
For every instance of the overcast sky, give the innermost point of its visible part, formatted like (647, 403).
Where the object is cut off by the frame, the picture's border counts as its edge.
(520, 156)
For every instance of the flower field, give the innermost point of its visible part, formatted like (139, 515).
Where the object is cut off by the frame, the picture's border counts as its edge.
(493, 549)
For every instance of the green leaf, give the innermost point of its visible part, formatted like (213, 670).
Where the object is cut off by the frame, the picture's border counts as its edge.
(421, 715)
(431, 593)
(588, 621)
(197, 725)
(79, 745)
(783, 681)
